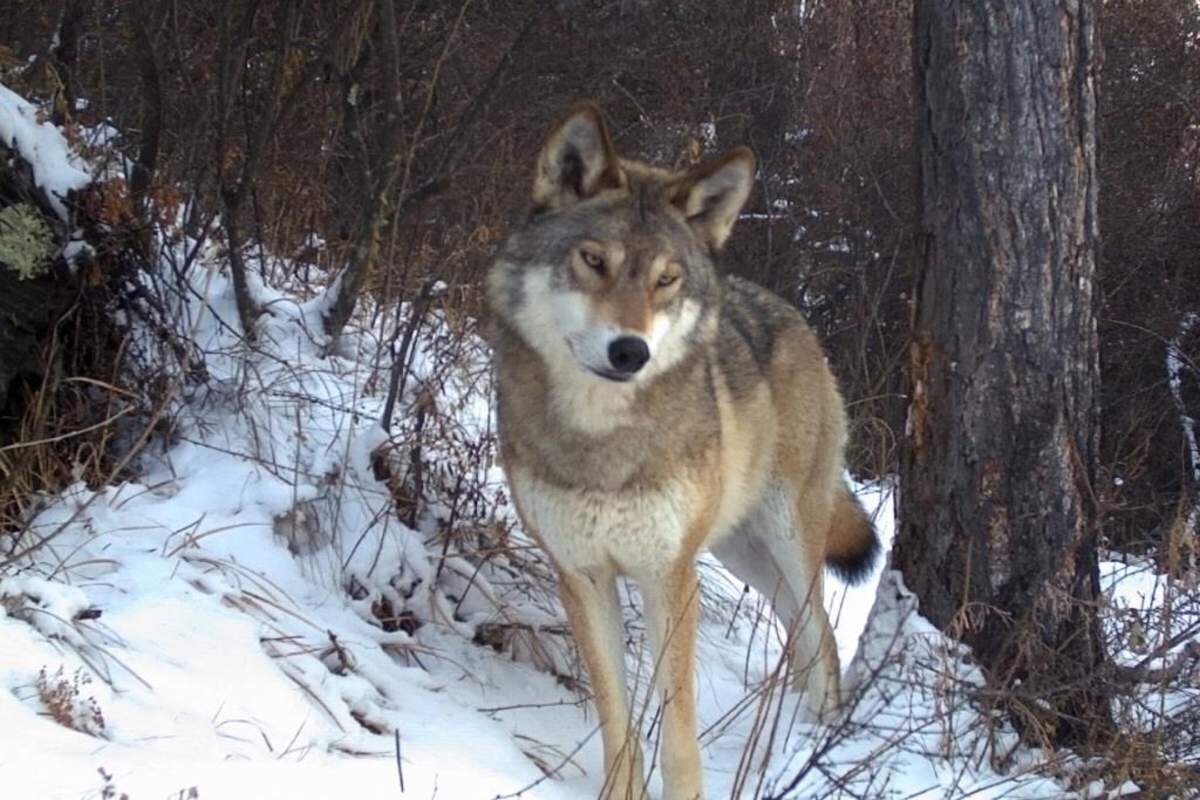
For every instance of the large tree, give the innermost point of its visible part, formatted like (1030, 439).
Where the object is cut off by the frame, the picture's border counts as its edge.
(998, 519)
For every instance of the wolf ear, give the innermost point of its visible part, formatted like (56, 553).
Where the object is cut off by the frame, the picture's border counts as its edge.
(577, 161)
(711, 195)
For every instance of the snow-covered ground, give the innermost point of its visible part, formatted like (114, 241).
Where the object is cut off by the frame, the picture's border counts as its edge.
(249, 617)
(238, 650)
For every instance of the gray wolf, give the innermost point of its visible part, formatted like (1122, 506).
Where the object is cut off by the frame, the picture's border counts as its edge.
(649, 408)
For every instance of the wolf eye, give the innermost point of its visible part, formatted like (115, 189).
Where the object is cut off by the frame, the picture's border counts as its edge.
(594, 261)
(666, 280)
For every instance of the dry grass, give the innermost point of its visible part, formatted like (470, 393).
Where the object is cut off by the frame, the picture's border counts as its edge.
(67, 701)
(109, 790)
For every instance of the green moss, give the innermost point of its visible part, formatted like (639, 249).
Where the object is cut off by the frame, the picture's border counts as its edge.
(26, 241)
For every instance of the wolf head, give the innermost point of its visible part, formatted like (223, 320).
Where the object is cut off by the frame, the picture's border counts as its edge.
(611, 276)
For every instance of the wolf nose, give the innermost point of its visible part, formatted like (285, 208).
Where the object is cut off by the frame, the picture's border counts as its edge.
(628, 354)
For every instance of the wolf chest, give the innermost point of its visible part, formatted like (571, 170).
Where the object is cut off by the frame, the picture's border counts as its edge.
(638, 531)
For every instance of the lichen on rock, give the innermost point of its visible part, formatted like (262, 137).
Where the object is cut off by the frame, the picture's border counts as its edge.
(26, 241)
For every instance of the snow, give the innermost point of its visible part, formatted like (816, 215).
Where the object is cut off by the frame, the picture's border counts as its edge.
(56, 170)
(250, 618)
(239, 649)
(47, 606)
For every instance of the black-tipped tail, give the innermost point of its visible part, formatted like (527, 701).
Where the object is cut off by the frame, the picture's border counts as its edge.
(852, 547)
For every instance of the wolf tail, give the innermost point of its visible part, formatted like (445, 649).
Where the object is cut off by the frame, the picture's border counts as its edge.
(852, 545)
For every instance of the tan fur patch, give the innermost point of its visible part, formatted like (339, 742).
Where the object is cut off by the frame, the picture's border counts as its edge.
(629, 308)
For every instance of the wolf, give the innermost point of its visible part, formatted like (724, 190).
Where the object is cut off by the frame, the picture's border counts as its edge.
(650, 408)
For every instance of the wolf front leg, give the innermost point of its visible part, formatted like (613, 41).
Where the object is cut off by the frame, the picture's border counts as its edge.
(672, 605)
(594, 611)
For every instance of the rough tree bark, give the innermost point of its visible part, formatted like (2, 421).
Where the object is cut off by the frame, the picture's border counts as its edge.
(998, 521)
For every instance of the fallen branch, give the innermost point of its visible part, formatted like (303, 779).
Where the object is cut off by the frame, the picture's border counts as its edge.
(1143, 673)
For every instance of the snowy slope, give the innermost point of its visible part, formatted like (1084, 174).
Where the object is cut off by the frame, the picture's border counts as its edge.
(233, 658)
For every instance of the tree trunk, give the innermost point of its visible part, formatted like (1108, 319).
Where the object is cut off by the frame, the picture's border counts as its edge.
(382, 171)
(998, 521)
